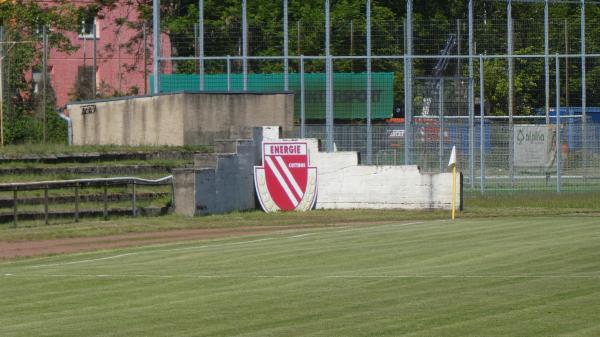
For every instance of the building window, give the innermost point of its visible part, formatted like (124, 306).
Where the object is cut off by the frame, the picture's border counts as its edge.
(86, 28)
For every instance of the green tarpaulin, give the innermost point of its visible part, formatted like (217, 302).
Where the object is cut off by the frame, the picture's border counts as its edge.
(349, 91)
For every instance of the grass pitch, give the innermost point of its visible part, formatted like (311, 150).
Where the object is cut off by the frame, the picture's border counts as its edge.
(471, 277)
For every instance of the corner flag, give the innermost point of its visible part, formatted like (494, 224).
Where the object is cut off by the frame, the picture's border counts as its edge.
(452, 162)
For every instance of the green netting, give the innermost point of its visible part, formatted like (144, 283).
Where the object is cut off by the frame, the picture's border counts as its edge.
(349, 91)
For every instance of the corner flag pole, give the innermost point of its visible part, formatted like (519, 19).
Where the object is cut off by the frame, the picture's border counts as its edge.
(452, 162)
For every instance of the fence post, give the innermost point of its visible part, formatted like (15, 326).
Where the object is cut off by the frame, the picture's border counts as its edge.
(471, 99)
(583, 93)
(156, 45)
(46, 205)
(547, 61)
(302, 97)
(44, 80)
(286, 85)
(511, 159)
(15, 197)
(558, 142)
(481, 126)
(369, 84)
(441, 119)
(329, 82)
(201, 44)
(133, 200)
(228, 73)
(245, 44)
(408, 85)
(77, 202)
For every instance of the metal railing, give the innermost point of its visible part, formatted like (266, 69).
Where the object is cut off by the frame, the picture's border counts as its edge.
(76, 185)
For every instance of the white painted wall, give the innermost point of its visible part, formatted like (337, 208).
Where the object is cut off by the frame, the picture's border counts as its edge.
(343, 184)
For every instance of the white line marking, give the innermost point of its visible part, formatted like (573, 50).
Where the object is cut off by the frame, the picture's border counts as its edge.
(290, 177)
(143, 252)
(301, 235)
(282, 182)
(371, 228)
(81, 261)
(345, 277)
(215, 245)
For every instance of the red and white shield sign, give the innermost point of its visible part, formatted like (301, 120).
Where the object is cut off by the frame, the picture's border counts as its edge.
(285, 181)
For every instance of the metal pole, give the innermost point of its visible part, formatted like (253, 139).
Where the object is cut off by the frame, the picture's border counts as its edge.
(1, 87)
(286, 80)
(94, 60)
(228, 73)
(15, 199)
(481, 126)
(46, 205)
(558, 145)
(369, 88)
(510, 92)
(408, 85)
(201, 43)
(245, 44)
(44, 77)
(144, 32)
(583, 93)
(156, 45)
(329, 84)
(471, 101)
(352, 42)
(133, 199)
(77, 202)
(302, 94)
(547, 61)
(441, 122)
(105, 202)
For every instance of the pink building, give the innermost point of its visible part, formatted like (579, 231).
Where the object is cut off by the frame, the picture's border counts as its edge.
(120, 55)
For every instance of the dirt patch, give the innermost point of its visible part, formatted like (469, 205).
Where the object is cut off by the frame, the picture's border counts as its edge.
(11, 250)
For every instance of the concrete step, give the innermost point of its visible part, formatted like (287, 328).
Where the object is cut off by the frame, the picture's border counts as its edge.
(81, 170)
(96, 156)
(69, 199)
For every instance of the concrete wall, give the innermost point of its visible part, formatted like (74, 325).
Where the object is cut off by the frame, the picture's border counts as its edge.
(344, 184)
(219, 182)
(223, 182)
(178, 119)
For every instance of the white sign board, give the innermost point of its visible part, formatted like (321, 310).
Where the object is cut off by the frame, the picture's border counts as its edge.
(534, 145)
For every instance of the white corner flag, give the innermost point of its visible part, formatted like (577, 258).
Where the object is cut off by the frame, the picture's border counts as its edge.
(452, 162)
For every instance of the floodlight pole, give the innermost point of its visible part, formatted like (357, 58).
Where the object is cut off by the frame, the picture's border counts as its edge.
(156, 45)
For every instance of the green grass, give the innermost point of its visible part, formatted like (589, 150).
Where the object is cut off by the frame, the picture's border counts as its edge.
(52, 149)
(169, 163)
(472, 277)
(476, 206)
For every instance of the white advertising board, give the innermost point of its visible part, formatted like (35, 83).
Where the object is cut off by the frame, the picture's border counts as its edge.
(534, 145)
